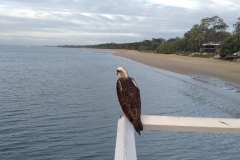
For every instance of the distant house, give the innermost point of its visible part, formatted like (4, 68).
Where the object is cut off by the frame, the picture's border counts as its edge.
(210, 48)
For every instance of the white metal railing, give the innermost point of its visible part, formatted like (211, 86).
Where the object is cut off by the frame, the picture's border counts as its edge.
(125, 144)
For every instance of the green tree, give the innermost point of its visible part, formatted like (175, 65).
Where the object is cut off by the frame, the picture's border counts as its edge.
(237, 26)
(155, 42)
(173, 45)
(230, 45)
(194, 38)
(142, 48)
(213, 28)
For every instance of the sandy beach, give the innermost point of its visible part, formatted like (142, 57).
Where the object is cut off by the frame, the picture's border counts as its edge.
(223, 70)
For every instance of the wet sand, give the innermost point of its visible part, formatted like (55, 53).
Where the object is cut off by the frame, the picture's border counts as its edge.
(225, 70)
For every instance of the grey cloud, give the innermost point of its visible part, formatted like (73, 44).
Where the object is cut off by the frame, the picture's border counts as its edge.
(89, 22)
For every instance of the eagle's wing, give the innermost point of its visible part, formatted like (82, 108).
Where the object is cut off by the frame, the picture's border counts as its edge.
(135, 101)
(134, 82)
(122, 97)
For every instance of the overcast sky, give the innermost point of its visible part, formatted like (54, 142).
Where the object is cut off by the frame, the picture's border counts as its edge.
(53, 22)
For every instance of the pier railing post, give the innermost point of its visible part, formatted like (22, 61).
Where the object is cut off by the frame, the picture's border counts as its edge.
(125, 144)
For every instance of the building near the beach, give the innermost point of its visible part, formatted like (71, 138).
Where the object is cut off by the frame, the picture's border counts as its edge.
(210, 48)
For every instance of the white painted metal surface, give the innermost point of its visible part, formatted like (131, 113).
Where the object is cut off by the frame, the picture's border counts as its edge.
(190, 124)
(125, 144)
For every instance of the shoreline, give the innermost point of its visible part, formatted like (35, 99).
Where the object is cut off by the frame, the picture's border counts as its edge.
(224, 70)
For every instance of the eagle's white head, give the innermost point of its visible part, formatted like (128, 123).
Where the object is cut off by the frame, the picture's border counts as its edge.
(122, 72)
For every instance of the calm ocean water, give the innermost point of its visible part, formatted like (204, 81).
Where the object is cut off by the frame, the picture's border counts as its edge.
(59, 103)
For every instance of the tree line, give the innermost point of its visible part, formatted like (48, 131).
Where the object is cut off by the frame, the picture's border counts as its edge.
(210, 30)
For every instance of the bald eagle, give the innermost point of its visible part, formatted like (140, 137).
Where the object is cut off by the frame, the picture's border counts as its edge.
(129, 98)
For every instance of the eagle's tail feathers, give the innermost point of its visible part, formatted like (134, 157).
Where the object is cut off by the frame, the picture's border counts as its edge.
(137, 125)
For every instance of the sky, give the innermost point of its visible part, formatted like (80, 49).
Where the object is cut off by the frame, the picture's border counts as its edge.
(82, 22)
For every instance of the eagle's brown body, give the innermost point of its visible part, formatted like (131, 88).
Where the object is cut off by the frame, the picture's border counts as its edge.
(130, 101)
